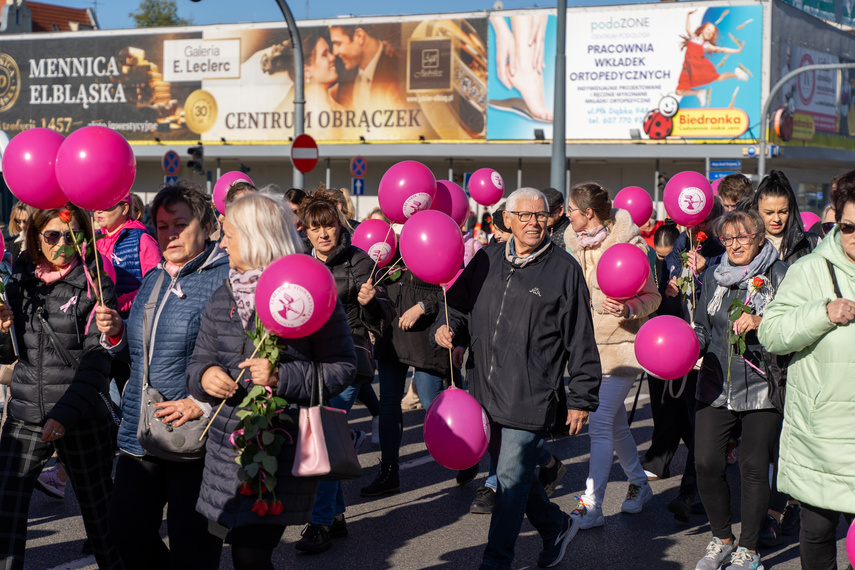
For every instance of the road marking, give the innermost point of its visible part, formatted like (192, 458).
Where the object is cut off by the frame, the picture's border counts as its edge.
(641, 397)
(415, 462)
(77, 564)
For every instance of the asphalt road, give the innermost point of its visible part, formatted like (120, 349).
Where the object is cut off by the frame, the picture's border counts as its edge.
(428, 524)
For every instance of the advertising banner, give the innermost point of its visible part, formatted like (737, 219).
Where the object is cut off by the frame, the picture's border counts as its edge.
(384, 81)
(116, 81)
(668, 72)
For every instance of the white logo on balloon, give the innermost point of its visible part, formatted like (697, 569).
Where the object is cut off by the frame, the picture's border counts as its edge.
(416, 203)
(692, 200)
(380, 251)
(496, 178)
(291, 305)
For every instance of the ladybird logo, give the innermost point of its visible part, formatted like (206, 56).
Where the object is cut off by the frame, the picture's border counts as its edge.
(379, 252)
(497, 180)
(291, 305)
(692, 200)
(416, 203)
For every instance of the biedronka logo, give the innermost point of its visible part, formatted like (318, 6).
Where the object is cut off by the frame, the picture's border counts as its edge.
(10, 82)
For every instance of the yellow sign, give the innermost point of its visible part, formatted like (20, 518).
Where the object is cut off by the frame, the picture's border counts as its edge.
(803, 127)
(700, 123)
(200, 111)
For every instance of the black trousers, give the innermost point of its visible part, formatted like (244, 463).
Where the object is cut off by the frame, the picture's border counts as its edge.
(86, 451)
(673, 421)
(760, 432)
(144, 486)
(818, 538)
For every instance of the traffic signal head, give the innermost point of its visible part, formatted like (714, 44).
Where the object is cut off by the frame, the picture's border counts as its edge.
(197, 159)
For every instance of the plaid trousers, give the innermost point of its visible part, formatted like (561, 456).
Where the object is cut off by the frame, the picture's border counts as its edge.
(86, 452)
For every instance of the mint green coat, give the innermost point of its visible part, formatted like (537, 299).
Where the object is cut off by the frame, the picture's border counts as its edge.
(817, 462)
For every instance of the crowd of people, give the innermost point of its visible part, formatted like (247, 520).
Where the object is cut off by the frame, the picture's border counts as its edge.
(166, 336)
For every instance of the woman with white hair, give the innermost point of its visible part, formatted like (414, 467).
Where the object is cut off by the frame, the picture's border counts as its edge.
(258, 230)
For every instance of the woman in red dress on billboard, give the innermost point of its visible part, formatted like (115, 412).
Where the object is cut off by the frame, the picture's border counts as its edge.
(698, 69)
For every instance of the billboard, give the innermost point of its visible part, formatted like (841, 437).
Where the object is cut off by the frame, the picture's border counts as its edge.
(385, 81)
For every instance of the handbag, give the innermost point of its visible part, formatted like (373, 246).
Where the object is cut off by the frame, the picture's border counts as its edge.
(364, 359)
(324, 446)
(161, 439)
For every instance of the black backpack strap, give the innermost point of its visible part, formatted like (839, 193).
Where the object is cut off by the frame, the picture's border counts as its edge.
(834, 279)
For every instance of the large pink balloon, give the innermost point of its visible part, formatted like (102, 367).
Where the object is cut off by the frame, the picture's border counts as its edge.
(809, 219)
(714, 186)
(224, 182)
(622, 271)
(29, 168)
(850, 542)
(688, 198)
(432, 247)
(95, 167)
(377, 239)
(637, 202)
(456, 430)
(295, 296)
(407, 188)
(667, 347)
(486, 186)
(452, 201)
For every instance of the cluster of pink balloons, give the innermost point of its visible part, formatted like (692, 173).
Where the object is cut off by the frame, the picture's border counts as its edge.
(688, 198)
(456, 429)
(295, 296)
(667, 347)
(94, 168)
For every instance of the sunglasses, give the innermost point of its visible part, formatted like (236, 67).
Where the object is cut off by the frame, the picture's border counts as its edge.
(846, 228)
(51, 237)
(828, 226)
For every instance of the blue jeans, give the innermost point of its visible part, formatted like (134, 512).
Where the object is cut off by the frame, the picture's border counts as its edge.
(393, 377)
(515, 454)
(492, 481)
(329, 500)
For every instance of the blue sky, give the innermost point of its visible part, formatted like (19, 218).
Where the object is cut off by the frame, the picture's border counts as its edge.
(114, 14)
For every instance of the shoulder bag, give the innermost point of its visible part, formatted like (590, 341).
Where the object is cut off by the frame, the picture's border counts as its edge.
(158, 438)
(324, 446)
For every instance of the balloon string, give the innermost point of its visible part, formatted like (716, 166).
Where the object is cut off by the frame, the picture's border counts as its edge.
(220, 407)
(376, 261)
(393, 267)
(97, 266)
(448, 326)
(691, 248)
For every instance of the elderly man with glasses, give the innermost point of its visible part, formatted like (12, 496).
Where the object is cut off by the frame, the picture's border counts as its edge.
(524, 307)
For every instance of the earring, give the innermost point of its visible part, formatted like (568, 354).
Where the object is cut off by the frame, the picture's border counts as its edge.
(308, 77)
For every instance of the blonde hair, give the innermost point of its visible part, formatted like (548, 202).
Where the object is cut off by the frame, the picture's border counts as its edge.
(265, 228)
(18, 207)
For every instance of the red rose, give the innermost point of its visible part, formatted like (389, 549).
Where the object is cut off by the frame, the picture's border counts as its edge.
(275, 508)
(246, 488)
(701, 237)
(260, 507)
(757, 282)
(65, 216)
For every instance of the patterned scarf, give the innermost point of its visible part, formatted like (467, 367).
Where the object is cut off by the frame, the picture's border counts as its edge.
(727, 275)
(243, 288)
(590, 238)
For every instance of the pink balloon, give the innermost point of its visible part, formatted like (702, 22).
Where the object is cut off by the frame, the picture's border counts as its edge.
(486, 186)
(688, 198)
(95, 167)
(622, 271)
(295, 296)
(667, 347)
(224, 182)
(714, 186)
(452, 201)
(432, 247)
(809, 219)
(637, 202)
(850, 542)
(377, 239)
(456, 430)
(2, 244)
(407, 188)
(29, 168)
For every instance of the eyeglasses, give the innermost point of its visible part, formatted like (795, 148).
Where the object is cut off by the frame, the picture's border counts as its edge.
(22, 222)
(526, 216)
(743, 239)
(828, 226)
(52, 236)
(846, 228)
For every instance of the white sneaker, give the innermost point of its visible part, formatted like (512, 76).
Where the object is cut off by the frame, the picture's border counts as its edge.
(717, 553)
(740, 74)
(375, 430)
(702, 98)
(589, 516)
(636, 496)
